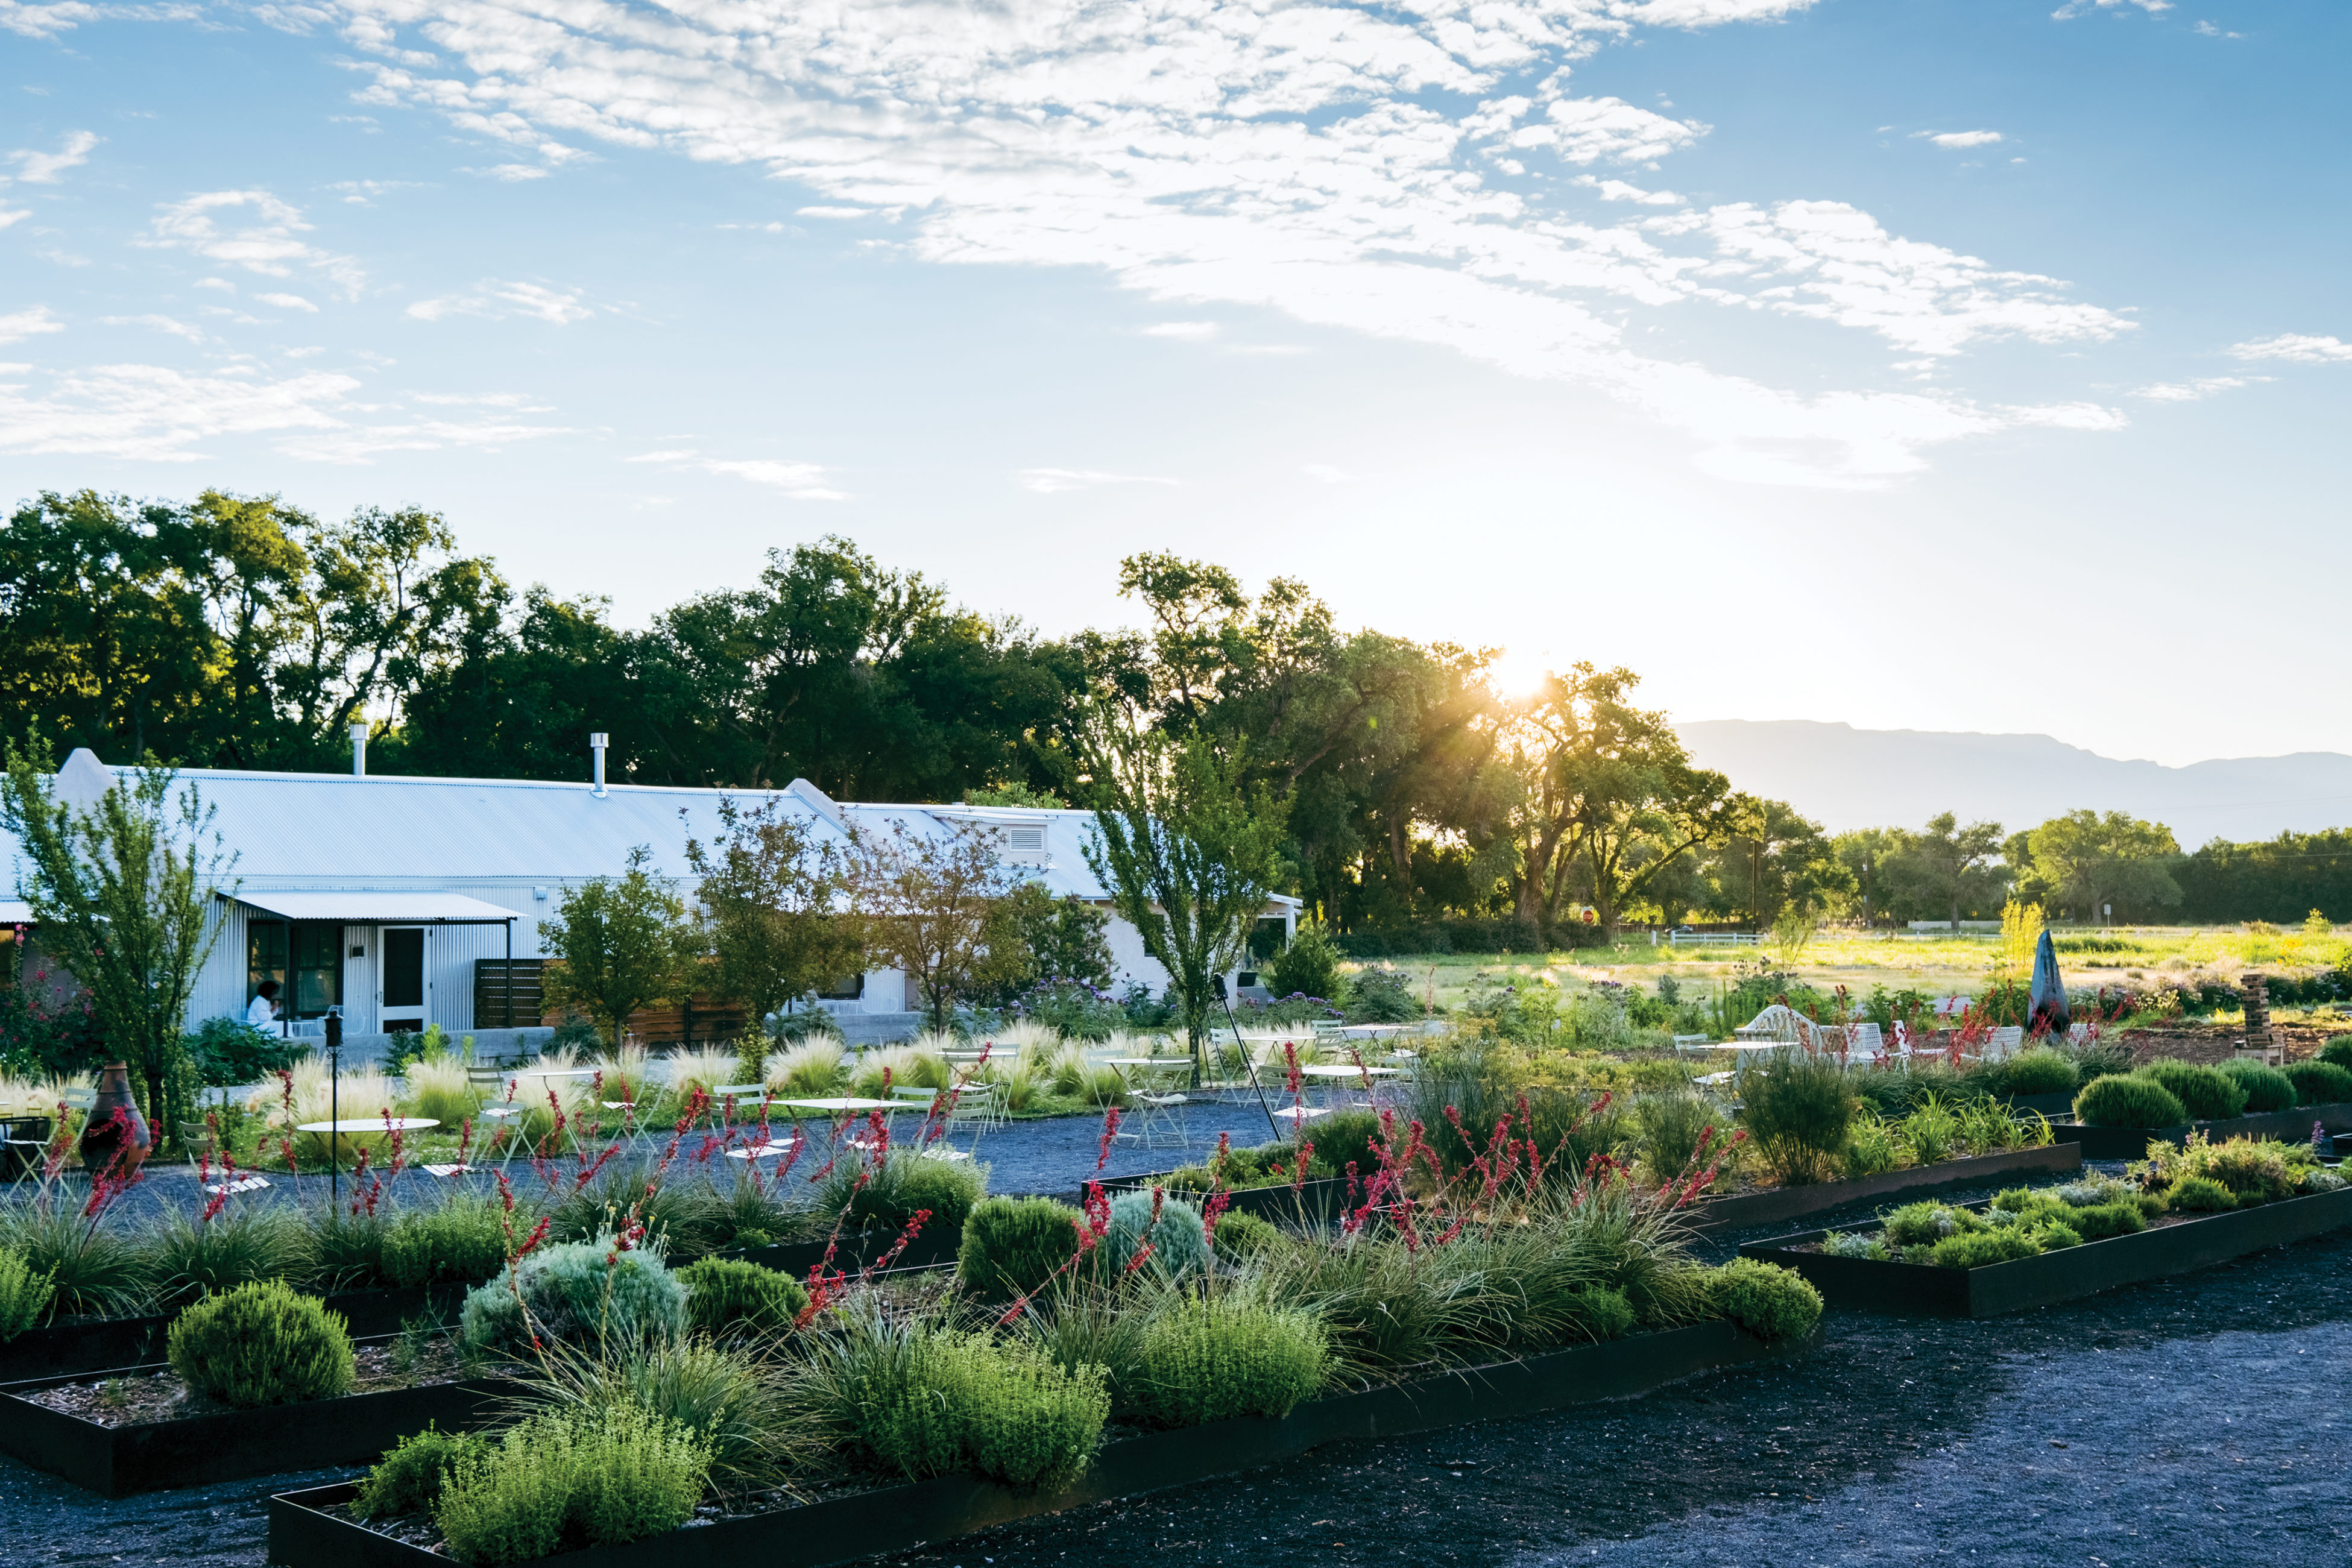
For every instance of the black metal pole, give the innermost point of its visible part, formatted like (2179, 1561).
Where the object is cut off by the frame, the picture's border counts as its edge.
(334, 1108)
(1247, 1065)
(509, 973)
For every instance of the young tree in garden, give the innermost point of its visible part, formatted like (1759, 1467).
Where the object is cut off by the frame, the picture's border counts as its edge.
(2093, 861)
(123, 893)
(773, 906)
(1188, 852)
(619, 944)
(929, 904)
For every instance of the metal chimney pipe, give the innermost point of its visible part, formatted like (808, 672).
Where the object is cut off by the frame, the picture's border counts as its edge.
(596, 744)
(359, 749)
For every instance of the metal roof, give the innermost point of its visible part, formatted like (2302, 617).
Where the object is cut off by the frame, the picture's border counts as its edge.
(381, 908)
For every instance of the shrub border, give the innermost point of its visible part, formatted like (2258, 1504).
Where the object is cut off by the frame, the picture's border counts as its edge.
(897, 1518)
(105, 1345)
(2131, 1143)
(1864, 1284)
(1742, 1210)
(116, 1461)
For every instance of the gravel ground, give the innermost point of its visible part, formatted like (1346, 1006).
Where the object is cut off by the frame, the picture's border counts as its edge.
(2192, 1421)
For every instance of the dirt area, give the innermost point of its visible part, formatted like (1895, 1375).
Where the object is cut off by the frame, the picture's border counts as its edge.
(165, 1397)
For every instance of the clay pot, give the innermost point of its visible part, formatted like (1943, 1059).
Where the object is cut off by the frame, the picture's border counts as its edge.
(115, 1140)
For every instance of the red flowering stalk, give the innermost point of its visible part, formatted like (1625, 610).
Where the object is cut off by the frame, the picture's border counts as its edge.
(465, 1141)
(1110, 1131)
(914, 1228)
(1291, 1076)
(1299, 1170)
(588, 1173)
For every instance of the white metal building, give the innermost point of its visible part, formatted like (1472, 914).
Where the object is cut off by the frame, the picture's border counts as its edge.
(379, 894)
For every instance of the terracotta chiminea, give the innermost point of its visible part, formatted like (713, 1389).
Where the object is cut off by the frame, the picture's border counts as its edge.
(105, 1148)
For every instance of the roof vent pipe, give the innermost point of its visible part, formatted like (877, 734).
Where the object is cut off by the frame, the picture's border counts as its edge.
(359, 749)
(596, 744)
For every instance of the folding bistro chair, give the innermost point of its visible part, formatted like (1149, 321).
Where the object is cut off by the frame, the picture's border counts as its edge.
(506, 1116)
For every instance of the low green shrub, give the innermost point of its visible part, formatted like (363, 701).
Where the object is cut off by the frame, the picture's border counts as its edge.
(1170, 1226)
(23, 1294)
(2267, 1089)
(2337, 1052)
(1345, 1138)
(2039, 1071)
(1978, 1248)
(410, 1478)
(1026, 1421)
(2128, 1099)
(2320, 1084)
(1215, 1356)
(1924, 1224)
(2058, 1234)
(460, 1242)
(1798, 1115)
(2200, 1194)
(1854, 1244)
(1767, 1299)
(1012, 1246)
(725, 1292)
(572, 1479)
(262, 1343)
(572, 1293)
(2206, 1093)
(2100, 1221)
(907, 1183)
(1600, 1313)
(1240, 1236)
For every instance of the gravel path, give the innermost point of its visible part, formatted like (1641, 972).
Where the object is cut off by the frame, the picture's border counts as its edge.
(2198, 1420)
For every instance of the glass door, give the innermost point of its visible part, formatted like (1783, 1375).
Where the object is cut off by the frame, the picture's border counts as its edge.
(401, 1000)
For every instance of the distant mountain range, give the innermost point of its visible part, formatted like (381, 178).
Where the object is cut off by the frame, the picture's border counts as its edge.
(1848, 777)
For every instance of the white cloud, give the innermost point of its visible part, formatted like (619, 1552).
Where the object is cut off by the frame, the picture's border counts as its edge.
(519, 402)
(48, 21)
(2207, 30)
(2295, 348)
(1619, 191)
(358, 443)
(23, 324)
(163, 324)
(1310, 157)
(798, 481)
(2195, 390)
(363, 193)
(12, 215)
(495, 301)
(1053, 481)
(43, 168)
(1194, 329)
(511, 173)
(1959, 139)
(2073, 8)
(265, 244)
(288, 302)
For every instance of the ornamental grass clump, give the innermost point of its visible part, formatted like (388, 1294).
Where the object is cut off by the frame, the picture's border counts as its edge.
(1242, 1237)
(563, 1481)
(1799, 1114)
(191, 1256)
(460, 1242)
(262, 1345)
(92, 1272)
(2128, 1099)
(578, 1291)
(1012, 1246)
(2206, 1093)
(1217, 1356)
(727, 1396)
(729, 1294)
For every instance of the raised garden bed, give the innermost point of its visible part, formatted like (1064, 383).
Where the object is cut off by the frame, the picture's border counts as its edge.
(937, 1245)
(1740, 1210)
(2059, 1104)
(2131, 1143)
(308, 1530)
(1319, 1200)
(101, 1345)
(2168, 1246)
(147, 1454)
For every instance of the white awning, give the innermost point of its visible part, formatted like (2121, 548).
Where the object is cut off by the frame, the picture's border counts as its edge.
(15, 914)
(380, 908)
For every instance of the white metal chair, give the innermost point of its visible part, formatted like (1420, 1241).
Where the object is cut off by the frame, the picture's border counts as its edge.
(506, 1116)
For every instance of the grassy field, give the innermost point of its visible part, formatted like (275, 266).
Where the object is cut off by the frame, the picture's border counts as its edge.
(2134, 957)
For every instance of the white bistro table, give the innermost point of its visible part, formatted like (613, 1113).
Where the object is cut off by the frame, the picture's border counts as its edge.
(339, 1131)
(1335, 1076)
(838, 1110)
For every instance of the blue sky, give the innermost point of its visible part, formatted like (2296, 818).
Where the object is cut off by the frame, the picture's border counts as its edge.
(1917, 363)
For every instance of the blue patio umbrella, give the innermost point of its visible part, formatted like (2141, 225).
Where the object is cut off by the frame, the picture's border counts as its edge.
(2046, 1004)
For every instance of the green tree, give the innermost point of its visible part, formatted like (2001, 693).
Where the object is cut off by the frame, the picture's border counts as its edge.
(770, 897)
(2093, 861)
(124, 891)
(620, 943)
(1063, 938)
(1864, 852)
(1945, 865)
(929, 904)
(1188, 850)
